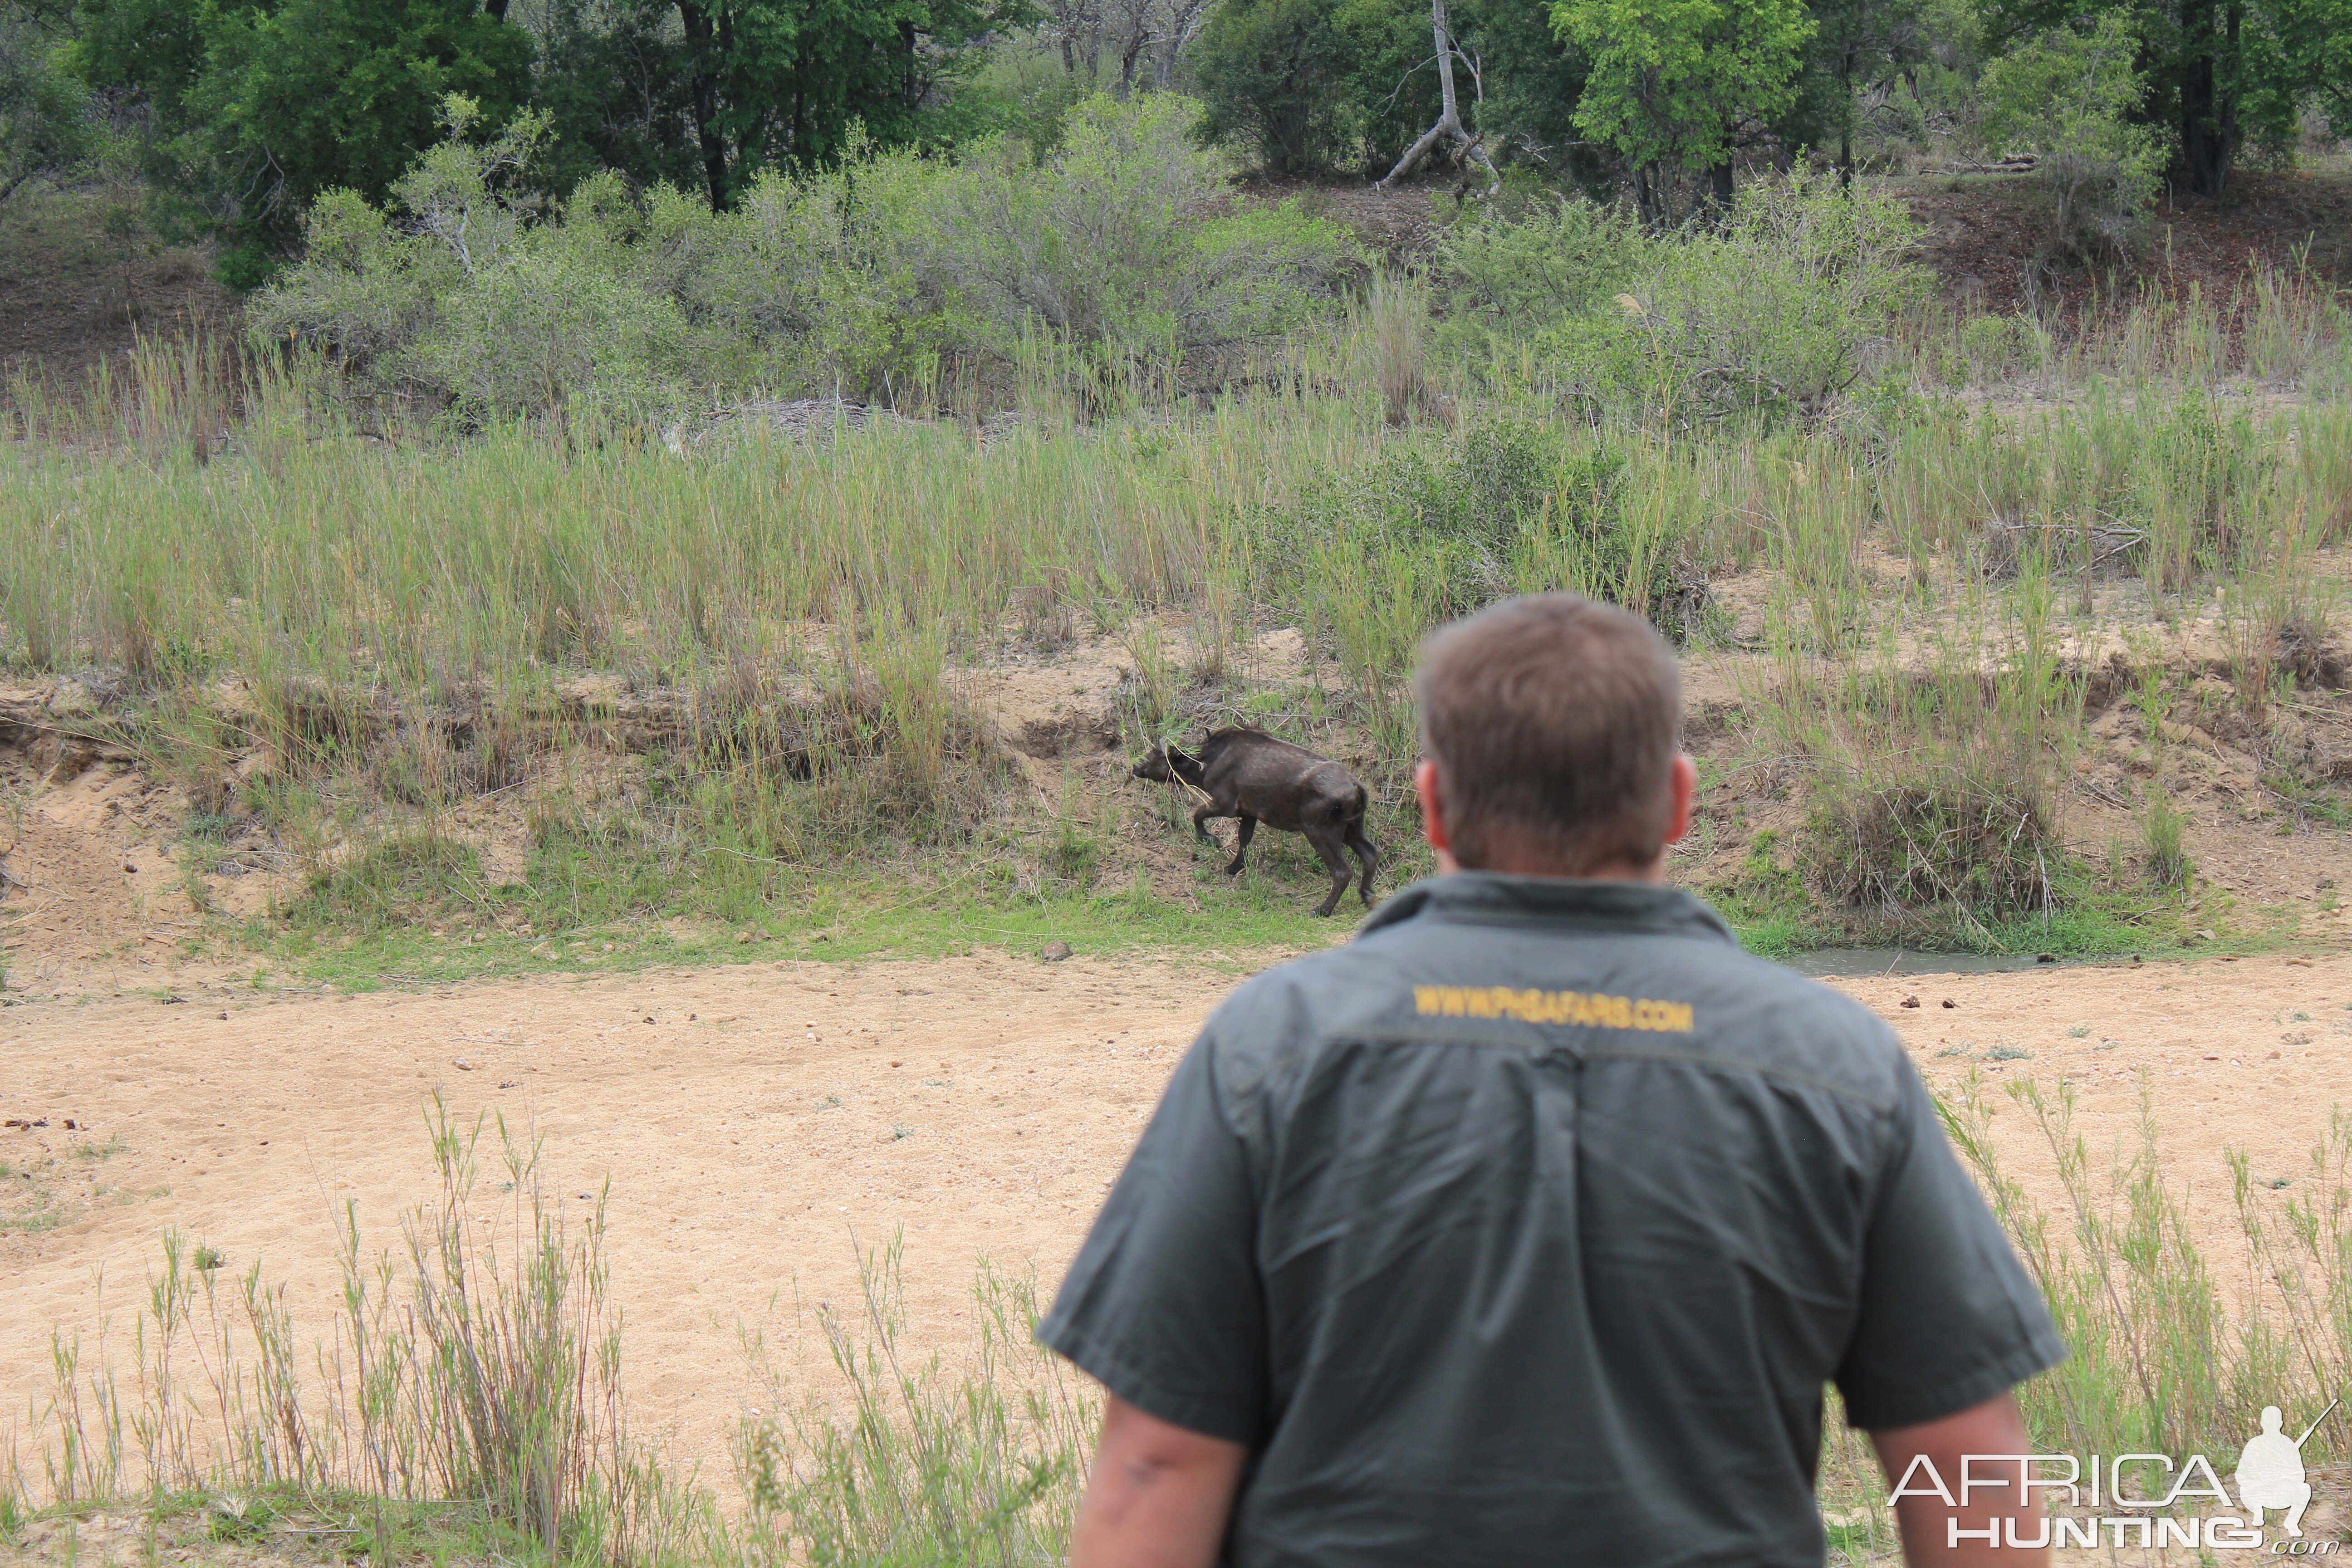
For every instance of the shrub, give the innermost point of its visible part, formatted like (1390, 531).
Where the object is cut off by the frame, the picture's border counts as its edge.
(451, 293)
(1506, 506)
(1784, 307)
(1997, 345)
(45, 118)
(1120, 247)
(1115, 257)
(2161, 832)
(1979, 840)
(1512, 276)
(2071, 98)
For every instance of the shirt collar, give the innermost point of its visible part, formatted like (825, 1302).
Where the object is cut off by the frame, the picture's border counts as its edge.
(1491, 898)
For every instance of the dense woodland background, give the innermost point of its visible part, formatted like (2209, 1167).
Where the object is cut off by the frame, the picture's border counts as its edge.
(266, 132)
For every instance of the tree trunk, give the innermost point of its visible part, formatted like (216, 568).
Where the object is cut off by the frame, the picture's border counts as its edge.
(1128, 56)
(1718, 193)
(1845, 122)
(695, 24)
(2209, 112)
(1649, 196)
(1449, 126)
(496, 10)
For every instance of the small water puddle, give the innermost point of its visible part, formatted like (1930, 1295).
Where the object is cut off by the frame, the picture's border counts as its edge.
(1858, 963)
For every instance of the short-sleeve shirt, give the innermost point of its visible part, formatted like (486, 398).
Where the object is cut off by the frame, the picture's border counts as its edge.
(1528, 1228)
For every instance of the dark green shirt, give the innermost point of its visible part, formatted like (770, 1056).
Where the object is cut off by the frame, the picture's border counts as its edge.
(1528, 1227)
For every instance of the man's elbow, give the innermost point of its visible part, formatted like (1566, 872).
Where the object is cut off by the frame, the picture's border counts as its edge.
(1159, 1496)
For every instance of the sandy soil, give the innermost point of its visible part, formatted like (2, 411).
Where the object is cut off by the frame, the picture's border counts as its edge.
(753, 1120)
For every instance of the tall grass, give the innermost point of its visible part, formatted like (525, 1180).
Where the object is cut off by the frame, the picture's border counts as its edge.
(2174, 1349)
(982, 1467)
(470, 1400)
(485, 1374)
(781, 625)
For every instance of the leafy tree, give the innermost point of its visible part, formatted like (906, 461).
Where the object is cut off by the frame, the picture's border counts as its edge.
(1859, 48)
(261, 105)
(2221, 75)
(1273, 73)
(2069, 98)
(1530, 82)
(785, 81)
(43, 113)
(612, 79)
(1314, 85)
(1673, 82)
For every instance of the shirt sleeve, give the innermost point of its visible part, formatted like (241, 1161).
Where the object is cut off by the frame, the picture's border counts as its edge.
(1949, 1316)
(1163, 1305)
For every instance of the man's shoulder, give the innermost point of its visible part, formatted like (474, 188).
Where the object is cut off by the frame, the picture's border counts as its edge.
(1659, 994)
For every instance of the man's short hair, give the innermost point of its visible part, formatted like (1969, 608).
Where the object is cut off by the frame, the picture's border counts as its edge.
(1554, 722)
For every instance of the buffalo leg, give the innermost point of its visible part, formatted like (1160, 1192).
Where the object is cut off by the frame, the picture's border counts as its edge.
(1367, 853)
(1335, 860)
(1241, 844)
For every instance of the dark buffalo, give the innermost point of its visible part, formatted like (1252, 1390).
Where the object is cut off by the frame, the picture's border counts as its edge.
(1249, 774)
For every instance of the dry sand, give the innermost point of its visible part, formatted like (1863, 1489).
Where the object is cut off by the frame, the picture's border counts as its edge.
(752, 1119)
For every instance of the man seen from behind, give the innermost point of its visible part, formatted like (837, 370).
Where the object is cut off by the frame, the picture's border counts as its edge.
(1528, 1227)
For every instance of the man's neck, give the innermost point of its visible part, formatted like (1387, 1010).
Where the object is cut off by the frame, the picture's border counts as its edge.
(1653, 872)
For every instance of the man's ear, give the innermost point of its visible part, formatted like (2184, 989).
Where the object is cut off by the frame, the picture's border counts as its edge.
(1433, 814)
(1682, 780)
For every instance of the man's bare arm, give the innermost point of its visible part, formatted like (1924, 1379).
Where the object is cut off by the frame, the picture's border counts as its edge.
(1158, 1497)
(1993, 1427)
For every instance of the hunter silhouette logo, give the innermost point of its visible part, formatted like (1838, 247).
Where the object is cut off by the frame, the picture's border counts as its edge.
(2270, 1470)
(2134, 1500)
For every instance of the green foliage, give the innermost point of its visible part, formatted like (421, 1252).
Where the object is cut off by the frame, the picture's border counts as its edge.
(1860, 50)
(1508, 506)
(411, 877)
(1772, 314)
(1513, 275)
(617, 89)
(1671, 80)
(452, 294)
(1112, 245)
(2071, 97)
(798, 83)
(980, 1468)
(261, 107)
(1312, 86)
(1106, 263)
(1532, 81)
(2162, 829)
(2223, 76)
(45, 114)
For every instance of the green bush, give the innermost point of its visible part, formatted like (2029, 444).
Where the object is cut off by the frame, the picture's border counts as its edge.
(1116, 257)
(451, 293)
(1773, 313)
(1511, 275)
(2072, 98)
(1311, 87)
(1784, 307)
(1508, 506)
(45, 120)
(1120, 245)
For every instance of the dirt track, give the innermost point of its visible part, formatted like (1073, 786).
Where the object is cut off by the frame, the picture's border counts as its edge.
(737, 1184)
